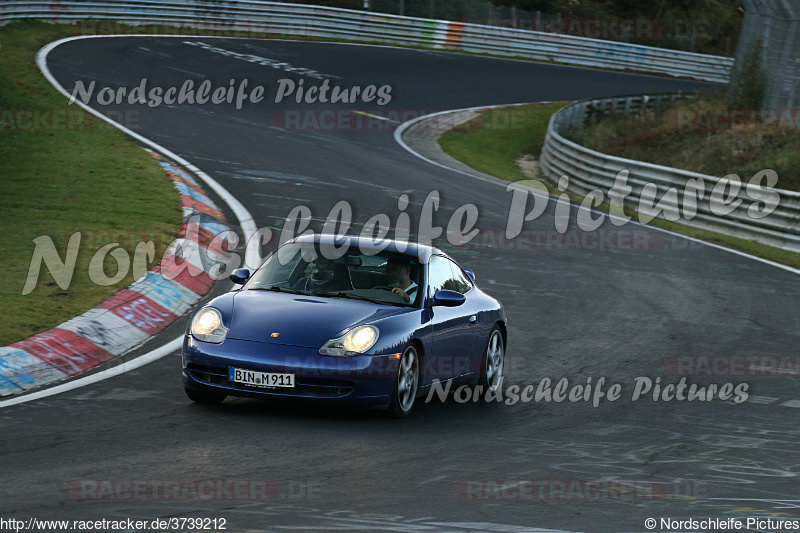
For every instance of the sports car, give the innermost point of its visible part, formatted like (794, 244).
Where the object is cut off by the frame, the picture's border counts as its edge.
(346, 320)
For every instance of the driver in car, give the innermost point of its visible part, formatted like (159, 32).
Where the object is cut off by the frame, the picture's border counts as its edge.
(399, 274)
(325, 276)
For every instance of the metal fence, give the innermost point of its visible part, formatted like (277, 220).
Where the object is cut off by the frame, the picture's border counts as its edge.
(590, 170)
(679, 34)
(771, 31)
(315, 21)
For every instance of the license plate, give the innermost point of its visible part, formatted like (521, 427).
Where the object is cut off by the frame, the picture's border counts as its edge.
(260, 379)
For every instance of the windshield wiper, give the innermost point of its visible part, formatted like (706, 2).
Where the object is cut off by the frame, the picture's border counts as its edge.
(276, 288)
(341, 294)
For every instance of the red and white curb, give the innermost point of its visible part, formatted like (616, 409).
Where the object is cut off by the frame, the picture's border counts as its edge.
(131, 316)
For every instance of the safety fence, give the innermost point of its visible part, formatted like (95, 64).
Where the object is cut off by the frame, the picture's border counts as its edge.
(254, 16)
(709, 202)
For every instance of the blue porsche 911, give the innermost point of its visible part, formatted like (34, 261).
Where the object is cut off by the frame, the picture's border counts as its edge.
(345, 321)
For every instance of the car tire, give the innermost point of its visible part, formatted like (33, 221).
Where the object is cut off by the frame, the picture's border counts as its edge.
(406, 383)
(493, 361)
(206, 397)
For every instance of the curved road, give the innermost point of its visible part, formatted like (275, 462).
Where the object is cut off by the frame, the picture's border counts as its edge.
(578, 313)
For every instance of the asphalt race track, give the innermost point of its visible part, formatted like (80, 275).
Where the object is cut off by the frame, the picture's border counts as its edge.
(618, 313)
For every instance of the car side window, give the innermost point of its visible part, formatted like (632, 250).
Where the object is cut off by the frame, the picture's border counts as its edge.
(440, 275)
(461, 283)
(445, 274)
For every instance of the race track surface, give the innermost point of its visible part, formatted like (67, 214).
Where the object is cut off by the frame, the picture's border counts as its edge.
(615, 313)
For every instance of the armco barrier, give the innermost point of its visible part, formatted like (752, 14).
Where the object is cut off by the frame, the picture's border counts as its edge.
(325, 22)
(589, 170)
(131, 316)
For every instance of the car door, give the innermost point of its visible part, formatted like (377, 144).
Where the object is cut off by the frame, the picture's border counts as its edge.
(452, 329)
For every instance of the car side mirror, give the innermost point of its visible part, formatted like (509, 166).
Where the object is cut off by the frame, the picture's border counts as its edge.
(448, 298)
(470, 273)
(240, 276)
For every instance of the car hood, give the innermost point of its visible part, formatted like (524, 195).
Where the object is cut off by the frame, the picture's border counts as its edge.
(299, 320)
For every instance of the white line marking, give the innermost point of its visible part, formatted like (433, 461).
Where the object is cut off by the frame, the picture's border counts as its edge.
(760, 399)
(785, 504)
(790, 403)
(246, 222)
(769, 371)
(432, 480)
(371, 115)
(497, 181)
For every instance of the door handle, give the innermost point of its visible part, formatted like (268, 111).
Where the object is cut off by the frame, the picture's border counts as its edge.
(472, 320)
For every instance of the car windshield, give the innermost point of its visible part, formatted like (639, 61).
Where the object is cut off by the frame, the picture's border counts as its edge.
(383, 277)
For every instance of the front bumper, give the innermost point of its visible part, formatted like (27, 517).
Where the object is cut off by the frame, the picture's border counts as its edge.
(360, 380)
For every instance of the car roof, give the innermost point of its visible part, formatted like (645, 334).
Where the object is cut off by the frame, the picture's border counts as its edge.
(421, 252)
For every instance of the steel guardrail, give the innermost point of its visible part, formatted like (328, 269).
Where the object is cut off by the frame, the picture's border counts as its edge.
(591, 170)
(364, 26)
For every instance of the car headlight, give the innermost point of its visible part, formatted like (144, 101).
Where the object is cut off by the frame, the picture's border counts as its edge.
(356, 341)
(207, 326)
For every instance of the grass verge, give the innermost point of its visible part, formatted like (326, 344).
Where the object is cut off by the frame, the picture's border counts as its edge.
(493, 142)
(64, 171)
(494, 150)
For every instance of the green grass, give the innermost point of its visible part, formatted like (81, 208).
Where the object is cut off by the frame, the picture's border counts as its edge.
(493, 142)
(69, 172)
(687, 135)
(488, 147)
